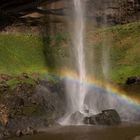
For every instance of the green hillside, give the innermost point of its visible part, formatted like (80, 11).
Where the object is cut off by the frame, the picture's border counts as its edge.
(21, 53)
(33, 53)
(124, 49)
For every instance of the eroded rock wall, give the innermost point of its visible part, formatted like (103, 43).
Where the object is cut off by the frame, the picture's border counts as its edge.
(106, 11)
(114, 11)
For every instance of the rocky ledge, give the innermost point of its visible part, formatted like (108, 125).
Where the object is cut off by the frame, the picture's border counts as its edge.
(106, 117)
(28, 103)
(133, 80)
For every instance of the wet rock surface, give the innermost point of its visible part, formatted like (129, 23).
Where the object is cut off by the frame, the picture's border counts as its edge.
(27, 131)
(114, 11)
(77, 117)
(28, 103)
(106, 117)
(133, 80)
(136, 138)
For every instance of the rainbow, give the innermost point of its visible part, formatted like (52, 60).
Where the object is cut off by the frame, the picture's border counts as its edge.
(91, 81)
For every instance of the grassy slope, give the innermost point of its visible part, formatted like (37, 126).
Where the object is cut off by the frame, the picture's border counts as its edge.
(126, 52)
(124, 44)
(29, 53)
(21, 53)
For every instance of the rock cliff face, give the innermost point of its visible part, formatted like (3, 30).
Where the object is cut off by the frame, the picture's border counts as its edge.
(106, 11)
(27, 102)
(114, 11)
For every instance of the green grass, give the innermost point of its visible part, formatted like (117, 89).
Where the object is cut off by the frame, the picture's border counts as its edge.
(124, 49)
(20, 53)
(14, 82)
(32, 53)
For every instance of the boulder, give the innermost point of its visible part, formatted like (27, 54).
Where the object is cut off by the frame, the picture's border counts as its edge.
(3, 87)
(1, 136)
(77, 117)
(27, 131)
(136, 138)
(4, 115)
(132, 80)
(19, 133)
(5, 77)
(106, 117)
(90, 120)
(6, 133)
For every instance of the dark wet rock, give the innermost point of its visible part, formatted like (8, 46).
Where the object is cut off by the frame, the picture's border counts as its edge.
(114, 11)
(6, 133)
(19, 133)
(53, 86)
(27, 102)
(4, 87)
(1, 136)
(107, 117)
(136, 138)
(4, 115)
(5, 77)
(77, 117)
(133, 80)
(90, 120)
(110, 12)
(27, 131)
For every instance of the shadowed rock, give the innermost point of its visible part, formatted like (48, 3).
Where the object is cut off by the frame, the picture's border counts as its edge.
(27, 104)
(133, 80)
(27, 131)
(136, 138)
(77, 117)
(107, 117)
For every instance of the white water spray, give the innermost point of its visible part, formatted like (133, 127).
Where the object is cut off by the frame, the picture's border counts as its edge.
(76, 92)
(78, 42)
(82, 98)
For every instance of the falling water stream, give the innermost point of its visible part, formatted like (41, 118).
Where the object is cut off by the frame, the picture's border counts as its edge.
(76, 92)
(80, 98)
(78, 42)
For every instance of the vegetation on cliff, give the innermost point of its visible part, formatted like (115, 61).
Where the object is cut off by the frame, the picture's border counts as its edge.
(32, 53)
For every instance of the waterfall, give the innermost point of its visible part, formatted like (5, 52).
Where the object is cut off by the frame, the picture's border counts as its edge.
(76, 92)
(83, 100)
(78, 42)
